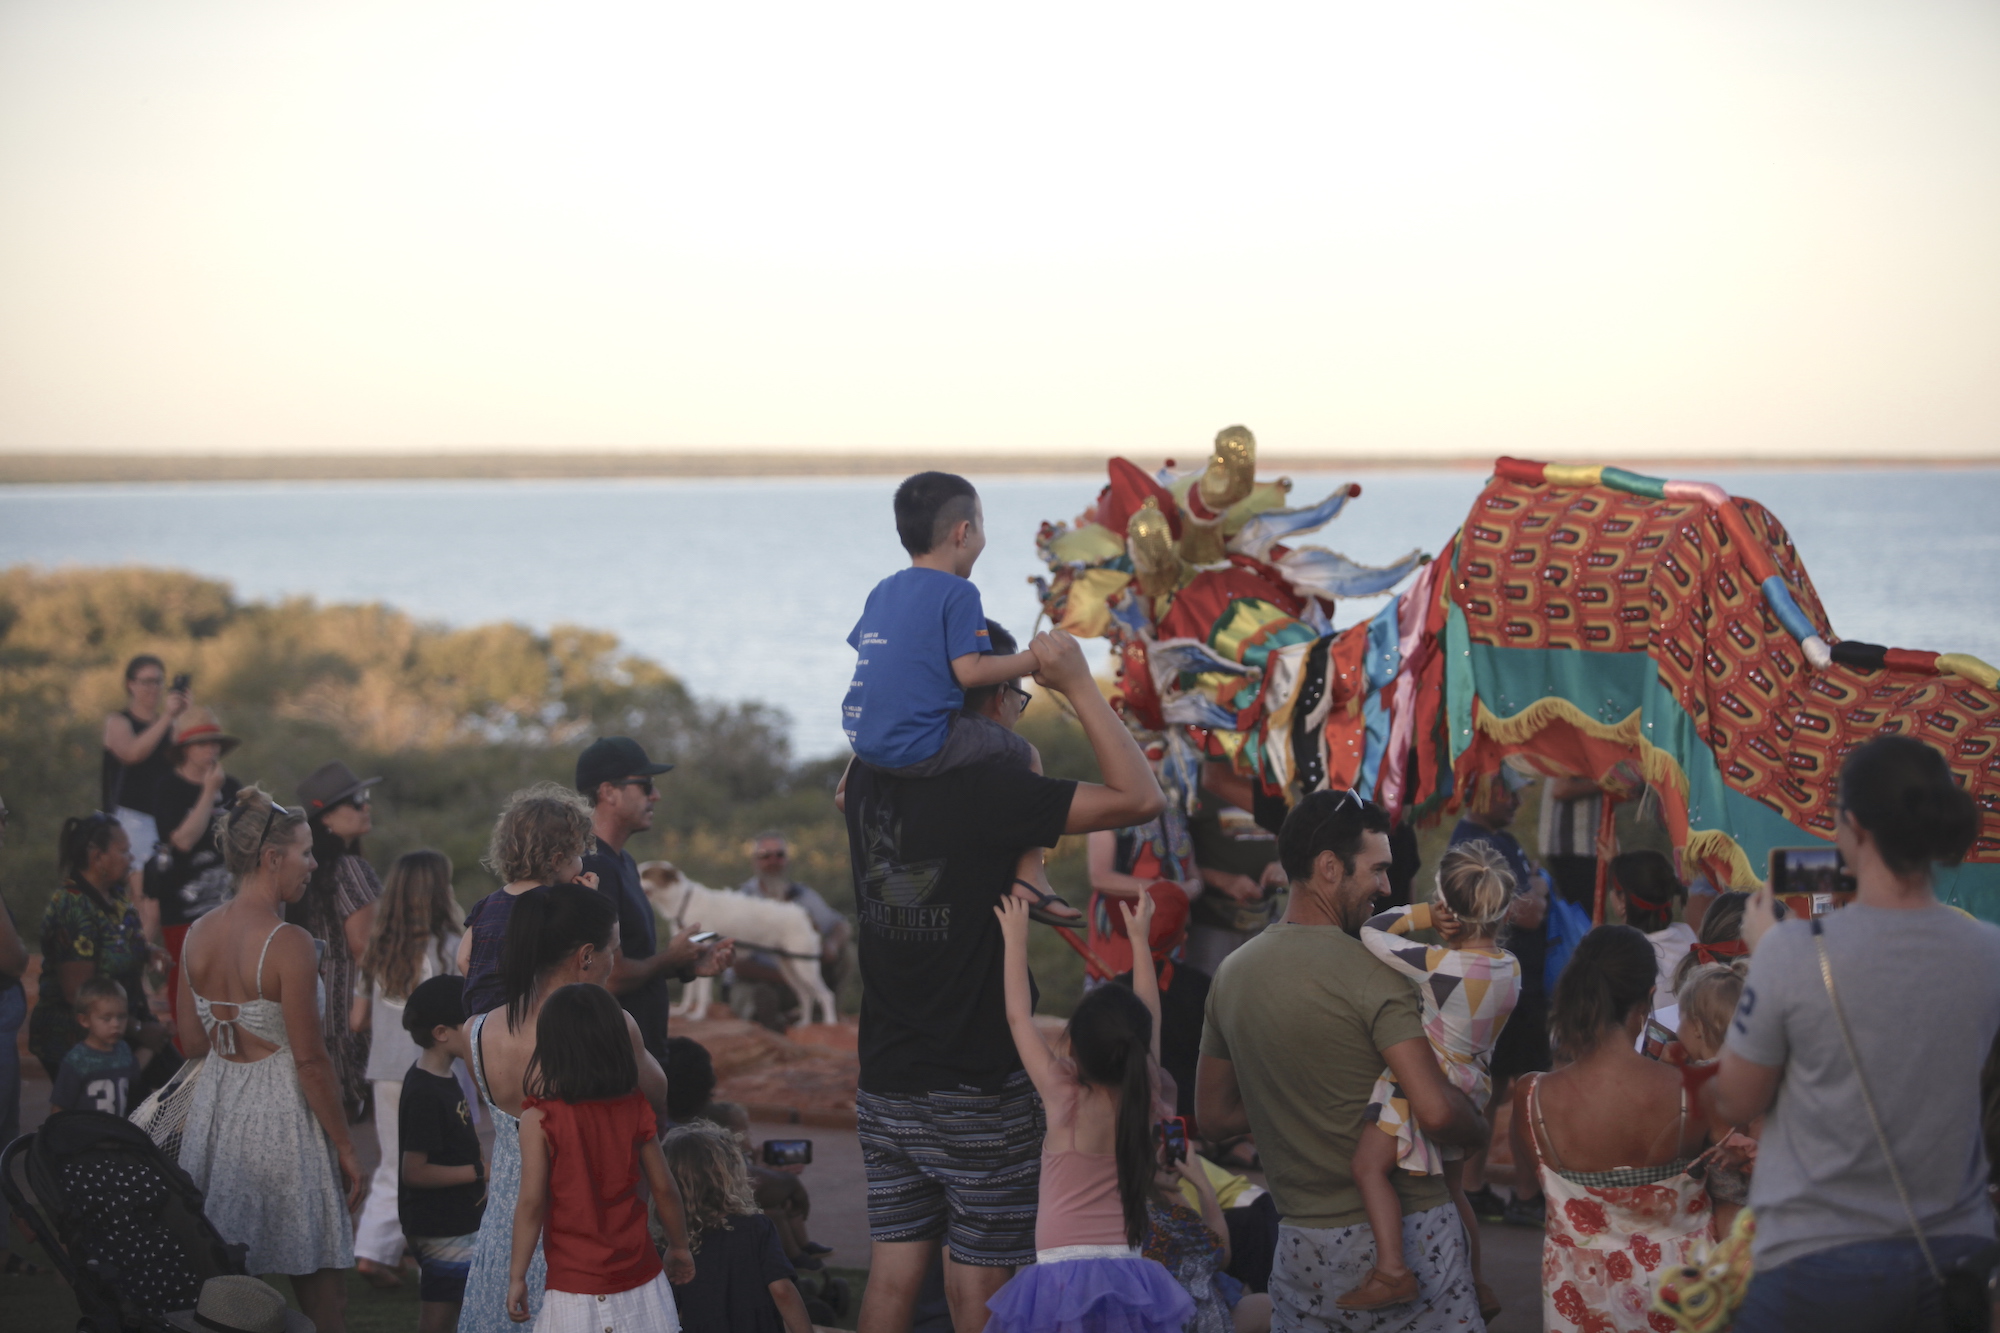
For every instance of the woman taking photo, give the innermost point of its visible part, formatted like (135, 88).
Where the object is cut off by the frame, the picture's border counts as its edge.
(339, 909)
(1612, 1136)
(265, 1138)
(1862, 1034)
(555, 937)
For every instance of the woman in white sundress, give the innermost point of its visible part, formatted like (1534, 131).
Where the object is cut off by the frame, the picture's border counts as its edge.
(265, 1138)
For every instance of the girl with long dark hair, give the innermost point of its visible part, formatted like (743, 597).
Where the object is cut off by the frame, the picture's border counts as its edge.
(1098, 1157)
(587, 1133)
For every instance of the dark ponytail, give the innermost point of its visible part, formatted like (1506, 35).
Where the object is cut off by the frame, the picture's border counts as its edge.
(80, 836)
(1612, 970)
(1111, 1040)
(546, 926)
(1650, 886)
(1902, 791)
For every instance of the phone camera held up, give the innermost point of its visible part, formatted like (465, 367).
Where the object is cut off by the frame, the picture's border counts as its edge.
(181, 683)
(1170, 1138)
(1811, 881)
(788, 1152)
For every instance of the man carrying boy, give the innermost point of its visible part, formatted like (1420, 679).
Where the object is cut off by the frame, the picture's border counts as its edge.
(441, 1191)
(921, 643)
(97, 1073)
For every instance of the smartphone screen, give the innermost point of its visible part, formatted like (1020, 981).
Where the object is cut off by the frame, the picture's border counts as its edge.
(1170, 1136)
(1653, 1042)
(788, 1152)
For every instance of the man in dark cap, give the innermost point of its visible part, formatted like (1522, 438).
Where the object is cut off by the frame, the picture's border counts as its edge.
(615, 775)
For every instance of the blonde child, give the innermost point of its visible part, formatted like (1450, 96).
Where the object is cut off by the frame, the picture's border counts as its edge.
(1469, 987)
(1708, 996)
(742, 1282)
(1098, 1155)
(586, 1134)
(414, 937)
(540, 838)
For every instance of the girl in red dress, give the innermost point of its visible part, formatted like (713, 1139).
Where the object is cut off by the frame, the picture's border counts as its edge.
(586, 1133)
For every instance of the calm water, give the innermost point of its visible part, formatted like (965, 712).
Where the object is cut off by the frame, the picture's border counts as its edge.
(747, 589)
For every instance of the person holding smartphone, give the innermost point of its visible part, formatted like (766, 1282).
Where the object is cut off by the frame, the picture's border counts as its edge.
(138, 753)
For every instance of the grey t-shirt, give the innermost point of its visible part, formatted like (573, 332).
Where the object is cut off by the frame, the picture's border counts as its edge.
(1921, 991)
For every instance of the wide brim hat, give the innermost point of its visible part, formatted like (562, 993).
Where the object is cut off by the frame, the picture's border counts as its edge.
(236, 1304)
(329, 785)
(199, 724)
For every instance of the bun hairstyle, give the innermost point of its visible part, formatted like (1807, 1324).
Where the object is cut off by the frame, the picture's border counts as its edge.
(1903, 793)
(1722, 923)
(1111, 1040)
(252, 826)
(1612, 970)
(541, 827)
(1650, 886)
(81, 835)
(1476, 884)
(546, 926)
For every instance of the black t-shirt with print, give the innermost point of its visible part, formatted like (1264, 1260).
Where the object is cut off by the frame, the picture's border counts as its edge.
(434, 1120)
(931, 858)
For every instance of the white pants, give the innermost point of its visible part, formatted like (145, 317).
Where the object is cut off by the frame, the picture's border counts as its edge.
(378, 1236)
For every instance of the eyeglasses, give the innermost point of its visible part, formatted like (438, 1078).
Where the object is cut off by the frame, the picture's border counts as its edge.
(775, 854)
(359, 800)
(1022, 696)
(643, 784)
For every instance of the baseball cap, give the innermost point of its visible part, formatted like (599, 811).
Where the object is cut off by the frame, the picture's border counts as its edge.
(609, 758)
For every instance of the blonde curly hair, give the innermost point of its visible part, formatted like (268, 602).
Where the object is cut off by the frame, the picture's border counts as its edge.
(541, 827)
(709, 1171)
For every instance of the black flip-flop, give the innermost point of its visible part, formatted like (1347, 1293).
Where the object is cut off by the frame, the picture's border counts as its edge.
(1039, 909)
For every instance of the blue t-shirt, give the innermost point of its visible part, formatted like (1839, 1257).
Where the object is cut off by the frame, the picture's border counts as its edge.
(900, 704)
(92, 1080)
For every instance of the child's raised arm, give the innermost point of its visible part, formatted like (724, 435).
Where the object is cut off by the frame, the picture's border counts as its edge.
(1028, 1040)
(972, 670)
(667, 1207)
(529, 1207)
(1145, 981)
(1382, 934)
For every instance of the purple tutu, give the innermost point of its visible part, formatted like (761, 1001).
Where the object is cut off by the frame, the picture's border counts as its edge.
(1100, 1291)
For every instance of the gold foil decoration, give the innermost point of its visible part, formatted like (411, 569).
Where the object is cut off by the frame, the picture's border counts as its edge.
(1230, 476)
(1150, 540)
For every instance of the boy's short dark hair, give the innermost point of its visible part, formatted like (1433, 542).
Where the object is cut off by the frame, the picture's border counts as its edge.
(439, 1002)
(95, 989)
(928, 506)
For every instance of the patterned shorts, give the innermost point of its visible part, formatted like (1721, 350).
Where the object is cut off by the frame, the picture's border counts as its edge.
(442, 1263)
(1316, 1266)
(964, 1166)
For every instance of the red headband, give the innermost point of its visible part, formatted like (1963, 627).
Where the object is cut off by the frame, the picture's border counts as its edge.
(1709, 953)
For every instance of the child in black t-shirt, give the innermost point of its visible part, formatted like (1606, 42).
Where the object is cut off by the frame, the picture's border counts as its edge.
(441, 1189)
(742, 1280)
(97, 1073)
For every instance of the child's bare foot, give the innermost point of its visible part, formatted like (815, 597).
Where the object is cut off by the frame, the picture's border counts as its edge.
(1044, 905)
(1380, 1290)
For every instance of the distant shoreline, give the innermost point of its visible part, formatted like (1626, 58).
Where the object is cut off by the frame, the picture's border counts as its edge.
(106, 469)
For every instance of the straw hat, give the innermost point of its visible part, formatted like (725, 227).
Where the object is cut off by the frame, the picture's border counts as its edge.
(240, 1305)
(200, 724)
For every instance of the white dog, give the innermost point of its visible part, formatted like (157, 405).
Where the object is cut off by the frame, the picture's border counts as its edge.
(783, 929)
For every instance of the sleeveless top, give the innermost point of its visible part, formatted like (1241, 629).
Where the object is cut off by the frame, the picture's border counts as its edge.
(132, 785)
(259, 1017)
(1078, 1202)
(595, 1239)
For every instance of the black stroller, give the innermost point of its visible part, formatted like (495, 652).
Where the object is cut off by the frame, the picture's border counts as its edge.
(122, 1224)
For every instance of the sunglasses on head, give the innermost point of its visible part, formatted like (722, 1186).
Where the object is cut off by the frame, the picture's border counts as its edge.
(270, 820)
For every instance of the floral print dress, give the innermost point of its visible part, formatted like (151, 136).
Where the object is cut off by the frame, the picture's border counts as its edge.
(1611, 1235)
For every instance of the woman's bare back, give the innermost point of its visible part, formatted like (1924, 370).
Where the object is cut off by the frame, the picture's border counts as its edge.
(504, 1054)
(221, 957)
(1610, 1110)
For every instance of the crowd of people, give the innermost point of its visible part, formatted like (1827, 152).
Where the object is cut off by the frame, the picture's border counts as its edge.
(1273, 1106)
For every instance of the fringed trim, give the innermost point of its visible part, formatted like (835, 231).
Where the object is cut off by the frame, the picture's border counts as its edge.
(1657, 766)
(1713, 845)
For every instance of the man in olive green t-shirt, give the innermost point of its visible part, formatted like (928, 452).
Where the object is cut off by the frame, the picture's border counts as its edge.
(1301, 1021)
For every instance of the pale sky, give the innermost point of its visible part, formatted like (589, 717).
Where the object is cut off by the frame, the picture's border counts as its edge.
(1597, 228)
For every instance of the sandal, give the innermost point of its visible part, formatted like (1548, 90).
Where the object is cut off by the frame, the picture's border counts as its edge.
(1038, 910)
(1379, 1291)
